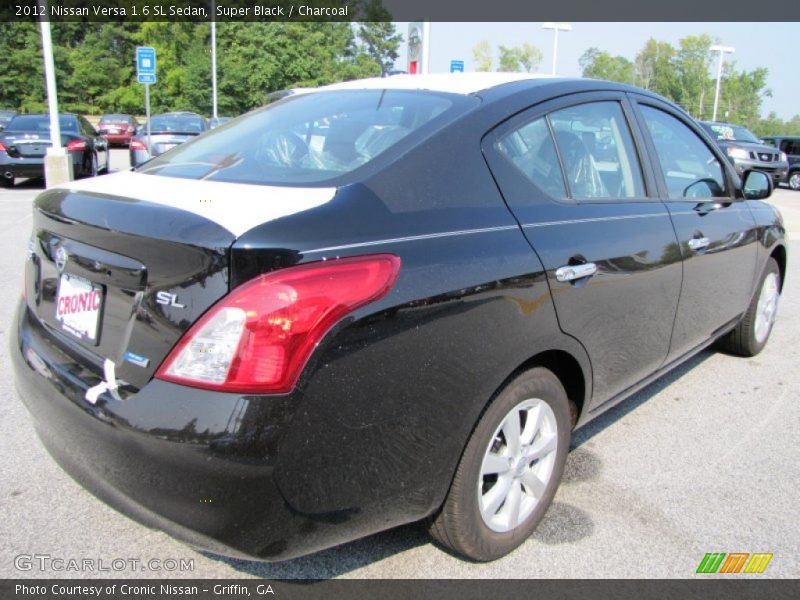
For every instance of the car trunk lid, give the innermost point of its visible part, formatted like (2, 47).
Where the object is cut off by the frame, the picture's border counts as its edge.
(120, 266)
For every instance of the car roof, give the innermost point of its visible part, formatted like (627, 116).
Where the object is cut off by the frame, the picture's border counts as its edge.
(454, 83)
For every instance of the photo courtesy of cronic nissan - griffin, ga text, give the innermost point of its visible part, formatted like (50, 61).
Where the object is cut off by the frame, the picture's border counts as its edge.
(381, 302)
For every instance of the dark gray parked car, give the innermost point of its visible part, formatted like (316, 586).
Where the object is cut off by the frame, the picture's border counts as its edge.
(166, 131)
(746, 152)
(790, 146)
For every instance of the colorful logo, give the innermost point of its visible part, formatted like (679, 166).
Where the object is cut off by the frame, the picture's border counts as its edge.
(735, 562)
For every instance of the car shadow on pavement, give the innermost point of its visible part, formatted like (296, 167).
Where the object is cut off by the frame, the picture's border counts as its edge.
(563, 523)
(35, 183)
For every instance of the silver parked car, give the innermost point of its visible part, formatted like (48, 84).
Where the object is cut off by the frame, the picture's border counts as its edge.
(166, 131)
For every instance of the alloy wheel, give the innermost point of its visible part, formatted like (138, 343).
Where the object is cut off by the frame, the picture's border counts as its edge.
(517, 465)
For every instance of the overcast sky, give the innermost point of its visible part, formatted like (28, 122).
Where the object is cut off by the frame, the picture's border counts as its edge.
(757, 45)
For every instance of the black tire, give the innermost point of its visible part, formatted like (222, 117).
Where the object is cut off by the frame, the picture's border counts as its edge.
(90, 166)
(459, 525)
(6, 182)
(794, 180)
(743, 340)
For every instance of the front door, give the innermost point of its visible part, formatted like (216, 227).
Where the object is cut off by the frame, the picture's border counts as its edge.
(716, 232)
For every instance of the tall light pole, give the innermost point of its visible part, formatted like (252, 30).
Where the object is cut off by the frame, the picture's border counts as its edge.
(723, 50)
(213, 60)
(556, 27)
(57, 161)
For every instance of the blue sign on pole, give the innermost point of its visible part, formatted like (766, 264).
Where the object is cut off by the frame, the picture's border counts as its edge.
(456, 66)
(145, 64)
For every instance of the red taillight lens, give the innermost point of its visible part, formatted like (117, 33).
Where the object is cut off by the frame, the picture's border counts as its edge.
(258, 338)
(76, 145)
(3, 148)
(137, 145)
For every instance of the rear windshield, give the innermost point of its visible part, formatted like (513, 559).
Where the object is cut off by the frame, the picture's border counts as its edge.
(731, 133)
(40, 123)
(308, 138)
(116, 119)
(176, 124)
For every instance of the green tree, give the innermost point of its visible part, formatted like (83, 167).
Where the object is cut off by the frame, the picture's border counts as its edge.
(655, 68)
(378, 35)
(602, 65)
(22, 75)
(482, 55)
(519, 58)
(692, 65)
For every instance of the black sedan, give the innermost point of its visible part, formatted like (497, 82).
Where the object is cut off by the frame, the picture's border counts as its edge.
(166, 131)
(386, 301)
(24, 143)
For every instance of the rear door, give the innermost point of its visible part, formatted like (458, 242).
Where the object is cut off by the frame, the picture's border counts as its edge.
(571, 172)
(716, 232)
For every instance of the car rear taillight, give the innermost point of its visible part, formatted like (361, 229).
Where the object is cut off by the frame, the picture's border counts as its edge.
(258, 338)
(3, 147)
(76, 145)
(138, 145)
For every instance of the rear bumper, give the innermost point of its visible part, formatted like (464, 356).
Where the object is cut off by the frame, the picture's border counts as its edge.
(30, 166)
(199, 465)
(122, 139)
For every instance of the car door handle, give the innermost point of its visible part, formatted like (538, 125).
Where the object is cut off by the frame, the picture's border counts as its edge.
(698, 243)
(573, 272)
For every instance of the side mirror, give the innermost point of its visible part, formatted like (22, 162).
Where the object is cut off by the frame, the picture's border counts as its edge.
(757, 186)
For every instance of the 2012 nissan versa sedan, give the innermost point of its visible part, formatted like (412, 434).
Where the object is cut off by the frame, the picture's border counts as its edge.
(382, 302)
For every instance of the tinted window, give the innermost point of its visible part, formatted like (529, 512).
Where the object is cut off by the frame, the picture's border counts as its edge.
(116, 119)
(305, 138)
(790, 146)
(597, 151)
(87, 127)
(530, 148)
(41, 123)
(690, 169)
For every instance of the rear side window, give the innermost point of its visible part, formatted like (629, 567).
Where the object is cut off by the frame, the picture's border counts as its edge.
(597, 151)
(306, 138)
(790, 146)
(690, 169)
(530, 148)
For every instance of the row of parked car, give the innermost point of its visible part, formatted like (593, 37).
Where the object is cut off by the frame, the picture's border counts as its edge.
(24, 140)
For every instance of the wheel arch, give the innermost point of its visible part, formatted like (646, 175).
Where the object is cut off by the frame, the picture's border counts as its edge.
(779, 254)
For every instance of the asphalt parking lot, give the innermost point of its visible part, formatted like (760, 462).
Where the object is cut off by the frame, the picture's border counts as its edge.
(704, 460)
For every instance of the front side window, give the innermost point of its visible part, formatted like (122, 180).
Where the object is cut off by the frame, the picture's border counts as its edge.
(690, 169)
(306, 138)
(597, 151)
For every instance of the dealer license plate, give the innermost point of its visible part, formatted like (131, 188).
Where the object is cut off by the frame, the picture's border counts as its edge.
(78, 306)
